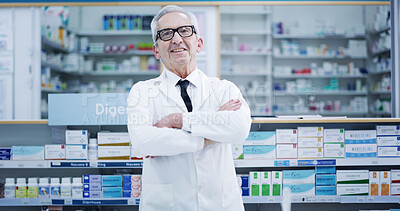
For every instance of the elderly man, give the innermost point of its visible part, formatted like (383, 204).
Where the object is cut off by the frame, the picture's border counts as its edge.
(184, 123)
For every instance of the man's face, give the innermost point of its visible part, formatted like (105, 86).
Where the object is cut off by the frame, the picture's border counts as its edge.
(178, 51)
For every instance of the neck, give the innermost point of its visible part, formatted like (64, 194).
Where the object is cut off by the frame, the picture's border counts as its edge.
(183, 70)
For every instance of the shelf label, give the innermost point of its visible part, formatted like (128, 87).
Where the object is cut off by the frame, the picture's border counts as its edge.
(306, 162)
(371, 199)
(271, 199)
(133, 201)
(326, 162)
(45, 201)
(120, 164)
(281, 163)
(40, 165)
(316, 162)
(57, 201)
(360, 199)
(101, 202)
(25, 201)
(311, 199)
(69, 164)
(68, 201)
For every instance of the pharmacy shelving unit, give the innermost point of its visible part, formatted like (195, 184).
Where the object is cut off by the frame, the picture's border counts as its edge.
(246, 57)
(284, 101)
(39, 132)
(380, 70)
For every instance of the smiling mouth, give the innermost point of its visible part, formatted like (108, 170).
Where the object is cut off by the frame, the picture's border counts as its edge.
(178, 50)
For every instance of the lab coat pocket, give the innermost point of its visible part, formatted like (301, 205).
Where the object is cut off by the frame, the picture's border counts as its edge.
(231, 200)
(156, 197)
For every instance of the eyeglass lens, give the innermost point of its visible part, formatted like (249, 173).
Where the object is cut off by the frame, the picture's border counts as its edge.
(183, 31)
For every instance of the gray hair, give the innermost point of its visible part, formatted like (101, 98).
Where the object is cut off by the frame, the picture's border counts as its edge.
(168, 9)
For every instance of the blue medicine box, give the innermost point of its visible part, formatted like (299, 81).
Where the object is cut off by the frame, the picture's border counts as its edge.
(245, 191)
(325, 179)
(91, 194)
(112, 192)
(127, 186)
(5, 157)
(126, 193)
(92, 187)
(325, 169)
(126, 179)
(5, 151)
(245, 181)
(111, 181)
(91, 178)
(325, 190)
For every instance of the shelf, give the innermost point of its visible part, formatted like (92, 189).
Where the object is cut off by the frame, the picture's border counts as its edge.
(71, 164)
(29, 122)
(245, 74)
(335, 113)
(266, 12)
(340, 92)
(322, 199)
(57, 68)
(383, 51)
(244, 53)
(114, 33)
(322, 120)
(68, 201)
(383, 92)
(382, 29)
(318, 76)
(129, 53)
(315, 57)
(97, 73)
(380, 72)
(245, 32)
(256, 95)
(54, 45)
(312, 36)
(381, 113)
(51, 90)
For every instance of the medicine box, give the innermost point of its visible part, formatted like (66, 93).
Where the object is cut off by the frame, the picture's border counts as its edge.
(334, 150)
(260, 138)
(111, 180)
(360, 150)
(258, 152)
(325, 190)
(310, 131)
(5, 151)
(395, 176)
(76, 137)
(325, 169)
(388, 130)
(76, 152)
(325, 179)
(298, 177)
(113, 139)
(276, 179)
(93, 178)
(92, 187)
(388, 140)
(388, 151)
(255, 183)
(352, 189)
(266, 183)
(286, 136)
(243, 180)
(112, 192)
(132, 178)
(384, 182)
(5, 157)
(310, 142)
(301, 189)
(27, 153)
(126, 193)
(312, 152)
(360, 137)
(54, 152)
(333, 135)
(352, 177)
(395, 189)
(286, 151)
(113, 152)
(237, 151)
(374, 183)
(92, 194)
(245, 191)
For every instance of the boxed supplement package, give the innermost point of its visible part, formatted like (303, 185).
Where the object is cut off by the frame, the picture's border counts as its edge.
(286, 151)
(260, 138)
(114, 152)
(237, 151)
(76, 137)
(255, 183)
(388, 130)
(258, 152)
(312, 152)
(286, 136)
(298, 177)
(310, 131)
(334, 150)
(334, 135)
(54, 152)
(76, 152)
(310, 142)
(27, 153)
(113, 139)
(352, 177)
(276, 179)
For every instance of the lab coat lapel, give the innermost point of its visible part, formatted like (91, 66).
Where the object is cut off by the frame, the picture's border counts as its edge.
(171, 93)
(206, 92)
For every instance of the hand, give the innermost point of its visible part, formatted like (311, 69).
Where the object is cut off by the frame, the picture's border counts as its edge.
(170, 121)
(231, 105)
(208, 142)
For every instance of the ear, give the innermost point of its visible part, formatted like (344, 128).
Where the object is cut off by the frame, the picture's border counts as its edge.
(156, 52)
(199, 45)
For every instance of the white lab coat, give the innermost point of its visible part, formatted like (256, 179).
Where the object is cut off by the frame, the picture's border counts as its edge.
(185, 175)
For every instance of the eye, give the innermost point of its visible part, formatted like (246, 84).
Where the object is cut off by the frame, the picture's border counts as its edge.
(166, 33)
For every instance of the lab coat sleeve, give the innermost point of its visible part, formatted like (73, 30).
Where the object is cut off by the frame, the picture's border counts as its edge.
(222, 126)
(147, 139)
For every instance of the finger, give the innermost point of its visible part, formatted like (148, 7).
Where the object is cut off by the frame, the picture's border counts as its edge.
(225, 105)
(152, 157)
(147, 156)
(234, 106)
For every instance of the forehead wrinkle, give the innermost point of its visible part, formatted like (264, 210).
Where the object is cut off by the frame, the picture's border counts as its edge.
(170, 20)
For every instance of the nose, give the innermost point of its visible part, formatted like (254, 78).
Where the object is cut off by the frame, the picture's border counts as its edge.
(177, 38)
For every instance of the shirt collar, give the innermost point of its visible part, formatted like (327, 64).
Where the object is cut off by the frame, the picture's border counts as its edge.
(193, 77)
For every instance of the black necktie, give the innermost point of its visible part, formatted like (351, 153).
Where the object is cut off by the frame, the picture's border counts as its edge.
(184, 84)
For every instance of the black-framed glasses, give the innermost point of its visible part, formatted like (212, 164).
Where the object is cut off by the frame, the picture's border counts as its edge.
(168, 34)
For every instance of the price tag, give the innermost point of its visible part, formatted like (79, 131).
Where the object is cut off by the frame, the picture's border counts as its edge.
(1, 165)
(131, 202)
(21, 165)
(296, 199)
(67, 201)
(40, 165)
(293, 163)
(370, 199)
(323, 200)
(25, 201)
(360, 199)
(45, 201)
(330, 199)
(271, 199)
(56, 163)
(93, 164)
(311, 199)
(374, 162)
